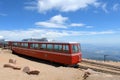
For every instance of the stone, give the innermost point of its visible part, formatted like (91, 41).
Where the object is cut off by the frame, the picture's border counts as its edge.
(13, 66)
(30, 71)
(34, 72)
(12, 61)
(26, 69)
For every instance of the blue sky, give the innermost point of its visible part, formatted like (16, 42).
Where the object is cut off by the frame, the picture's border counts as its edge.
(85, 21)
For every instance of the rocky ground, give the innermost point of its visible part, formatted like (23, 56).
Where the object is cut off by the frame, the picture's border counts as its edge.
(47, 71)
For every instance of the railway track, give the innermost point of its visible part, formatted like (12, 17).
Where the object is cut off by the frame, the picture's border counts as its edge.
(100, 67)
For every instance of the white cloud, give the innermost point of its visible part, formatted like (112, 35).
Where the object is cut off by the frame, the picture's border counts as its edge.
(50, 34)
(32, 33)
(116, 7)
(50, 25)
(104, 7)
(77, 24)
(102, 32)
(63, 6)
(1, 37)
(32, 7)
(76, 33)
(89, 26)
(2, 14)
(57, 21)
(107, 7)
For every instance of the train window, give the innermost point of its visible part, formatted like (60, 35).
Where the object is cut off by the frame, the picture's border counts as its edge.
(6, 43)
(36, 46)
(24, 45)
(65, 48)
(49, 46)
(43, 46)
(14, 44)
(18, 44)
(57, 47)
(75, 49)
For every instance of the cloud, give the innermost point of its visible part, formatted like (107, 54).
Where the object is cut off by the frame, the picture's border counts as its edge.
(62, 6)
(33, 5)
(77, 24)
(76, 33)
(32, 33)
(116, 7)
(104, 7)
(57, 21)
(107, 6)
(89, 26)
(2, 14)
(1, 37)
(50, 25)
(50, 34)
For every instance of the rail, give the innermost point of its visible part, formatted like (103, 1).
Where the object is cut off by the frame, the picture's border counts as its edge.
(100, 67)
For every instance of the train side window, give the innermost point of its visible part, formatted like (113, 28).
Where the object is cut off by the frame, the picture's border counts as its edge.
(34, 46)
(49, 46)
(57, 47)
(75, 49)
(65, 48)
(43, 46)
(14, 44)
(25, 45)
(18, 44)
(22, 45)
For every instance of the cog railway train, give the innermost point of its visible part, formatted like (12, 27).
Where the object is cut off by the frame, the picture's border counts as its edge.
(60, 52)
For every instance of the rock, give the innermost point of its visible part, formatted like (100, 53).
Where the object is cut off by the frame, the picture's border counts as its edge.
(12, 61)
(34, 72)
(30, 71)
(26, 69)
(13, 66)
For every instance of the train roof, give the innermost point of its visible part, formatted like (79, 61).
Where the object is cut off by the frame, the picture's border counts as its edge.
(47, 42)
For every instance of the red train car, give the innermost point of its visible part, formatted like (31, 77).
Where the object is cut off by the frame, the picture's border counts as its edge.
(63, 53)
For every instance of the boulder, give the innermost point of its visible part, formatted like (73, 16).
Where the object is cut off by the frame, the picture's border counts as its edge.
(30, 71)
(13, 66)
(34, 72)
(12, 61)
(26, 69)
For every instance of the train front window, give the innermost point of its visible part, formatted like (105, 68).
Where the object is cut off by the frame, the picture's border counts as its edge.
(75, 48)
